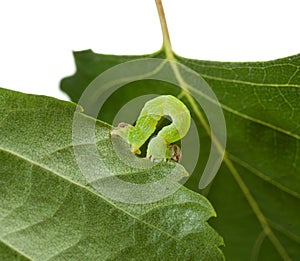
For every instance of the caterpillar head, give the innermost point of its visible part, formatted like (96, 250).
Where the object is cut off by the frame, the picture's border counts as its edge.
(175, 152)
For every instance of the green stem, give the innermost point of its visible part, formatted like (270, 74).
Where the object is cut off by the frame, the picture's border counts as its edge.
(165, 32)
(251, 200)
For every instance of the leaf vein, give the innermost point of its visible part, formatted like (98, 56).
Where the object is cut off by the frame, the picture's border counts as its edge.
(90, 191)
(260, 174)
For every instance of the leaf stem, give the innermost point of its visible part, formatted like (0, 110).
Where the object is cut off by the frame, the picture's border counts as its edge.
(252, 202)
(165, 32)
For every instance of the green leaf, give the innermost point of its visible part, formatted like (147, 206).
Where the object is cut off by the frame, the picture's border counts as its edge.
(257, 190)
(48, 210)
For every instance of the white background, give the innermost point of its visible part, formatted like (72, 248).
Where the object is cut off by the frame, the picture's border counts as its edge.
(37, 37)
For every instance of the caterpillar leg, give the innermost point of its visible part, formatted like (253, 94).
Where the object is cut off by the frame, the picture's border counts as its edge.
(158, 149)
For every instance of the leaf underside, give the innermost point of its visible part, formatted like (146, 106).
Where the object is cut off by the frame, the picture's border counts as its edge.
(48, 211)
(257, 189)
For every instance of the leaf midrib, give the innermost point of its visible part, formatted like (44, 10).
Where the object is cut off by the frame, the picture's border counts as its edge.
(36, 164)
(252, 202)
(14, 249)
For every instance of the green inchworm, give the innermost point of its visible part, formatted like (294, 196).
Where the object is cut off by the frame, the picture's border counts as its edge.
(160, 147)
